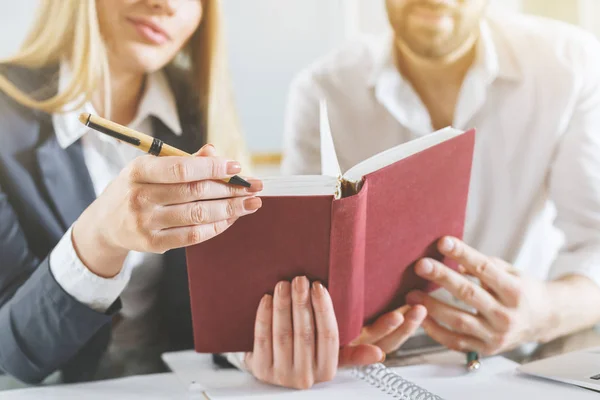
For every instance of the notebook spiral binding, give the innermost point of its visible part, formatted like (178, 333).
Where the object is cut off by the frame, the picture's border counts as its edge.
(379, 376)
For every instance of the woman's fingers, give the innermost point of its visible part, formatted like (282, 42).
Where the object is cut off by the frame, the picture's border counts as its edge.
(181, 193)
(362, 354)
(260, 361)
(283, 334)
(304, 332)
(175, 238)
(208, 150)
(150, 169)
(382, 327)
(328, 340)
(412, 320)
(204, 212)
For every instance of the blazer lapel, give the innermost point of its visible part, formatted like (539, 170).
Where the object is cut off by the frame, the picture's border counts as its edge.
(63, 171)
(66, 179)
(188, 107)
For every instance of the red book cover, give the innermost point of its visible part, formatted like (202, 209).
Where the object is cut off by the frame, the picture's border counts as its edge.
(362, 247)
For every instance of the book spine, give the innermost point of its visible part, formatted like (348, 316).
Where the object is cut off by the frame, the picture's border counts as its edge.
(346, 263)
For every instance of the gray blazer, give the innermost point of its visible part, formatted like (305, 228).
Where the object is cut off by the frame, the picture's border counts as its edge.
(43, 190)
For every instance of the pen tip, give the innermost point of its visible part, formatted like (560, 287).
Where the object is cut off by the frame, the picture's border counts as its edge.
(84, 118)
(236, 180)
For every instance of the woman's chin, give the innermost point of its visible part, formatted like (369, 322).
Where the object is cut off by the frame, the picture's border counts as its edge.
(142, 58)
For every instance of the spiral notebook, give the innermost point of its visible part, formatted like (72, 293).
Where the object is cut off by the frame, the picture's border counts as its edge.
(428, 377)
(206, 381)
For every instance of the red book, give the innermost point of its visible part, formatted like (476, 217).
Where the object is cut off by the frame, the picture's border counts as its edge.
(360, 235)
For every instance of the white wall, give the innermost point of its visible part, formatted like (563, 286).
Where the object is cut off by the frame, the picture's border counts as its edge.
(14, 22)
(269, 42)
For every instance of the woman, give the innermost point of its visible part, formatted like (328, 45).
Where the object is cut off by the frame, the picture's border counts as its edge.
(91, 233)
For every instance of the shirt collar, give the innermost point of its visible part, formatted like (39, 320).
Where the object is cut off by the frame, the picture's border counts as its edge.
(158, 100)
(494, 57)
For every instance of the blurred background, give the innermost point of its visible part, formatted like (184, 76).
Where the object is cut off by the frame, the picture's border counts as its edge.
(270, 41)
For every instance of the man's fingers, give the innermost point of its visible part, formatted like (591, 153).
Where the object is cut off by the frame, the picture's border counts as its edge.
(362, 354)
(383, 326)
(328, 341)
(457, 320)
(496, 277)
(412, 320)
(452, 340)
(458, 285)
(150, 169)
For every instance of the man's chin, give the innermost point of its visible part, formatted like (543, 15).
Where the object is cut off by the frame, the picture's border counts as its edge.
(430, 47)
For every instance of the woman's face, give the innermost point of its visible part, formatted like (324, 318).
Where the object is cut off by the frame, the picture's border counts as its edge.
(145, 35)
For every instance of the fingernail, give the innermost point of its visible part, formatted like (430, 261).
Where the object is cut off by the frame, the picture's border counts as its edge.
(425, 267)
(317, 289)
(447, 244)
(210, 145)
(233, 167)
(415, 297)
(252, 204)
(266, 301)
(417, 314)
(283, 289)
(301, 284)
(255, 186)
(383, 357)
(395, 319)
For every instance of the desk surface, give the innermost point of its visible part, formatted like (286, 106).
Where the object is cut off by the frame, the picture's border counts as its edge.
(167, 386)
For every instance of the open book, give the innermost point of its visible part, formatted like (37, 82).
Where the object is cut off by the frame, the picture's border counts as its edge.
(332, 181)
(358, 233)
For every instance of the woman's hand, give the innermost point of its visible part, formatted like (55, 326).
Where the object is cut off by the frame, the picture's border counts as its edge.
(391, 330)
(161, 203)
(296, 340)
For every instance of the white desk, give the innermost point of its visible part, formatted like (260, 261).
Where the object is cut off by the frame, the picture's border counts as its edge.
(147, 387)
(446, 377)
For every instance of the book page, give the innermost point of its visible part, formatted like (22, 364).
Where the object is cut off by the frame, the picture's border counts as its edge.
(299, 185)
(329, 161)
(399, 152)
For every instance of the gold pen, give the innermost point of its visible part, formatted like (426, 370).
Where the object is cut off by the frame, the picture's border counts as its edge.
(146, 143)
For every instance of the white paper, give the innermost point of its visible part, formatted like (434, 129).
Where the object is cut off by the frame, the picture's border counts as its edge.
(329, 161)
(498, 379)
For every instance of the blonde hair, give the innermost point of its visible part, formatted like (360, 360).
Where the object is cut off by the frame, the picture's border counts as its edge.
(70, 29)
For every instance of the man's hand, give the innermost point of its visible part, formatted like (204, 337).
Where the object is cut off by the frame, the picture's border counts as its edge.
(511, 309)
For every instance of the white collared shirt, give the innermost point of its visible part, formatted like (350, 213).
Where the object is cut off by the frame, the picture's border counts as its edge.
(533, 94)
(105, 157)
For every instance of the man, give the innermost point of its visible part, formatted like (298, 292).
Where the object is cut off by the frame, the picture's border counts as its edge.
(531, 87)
